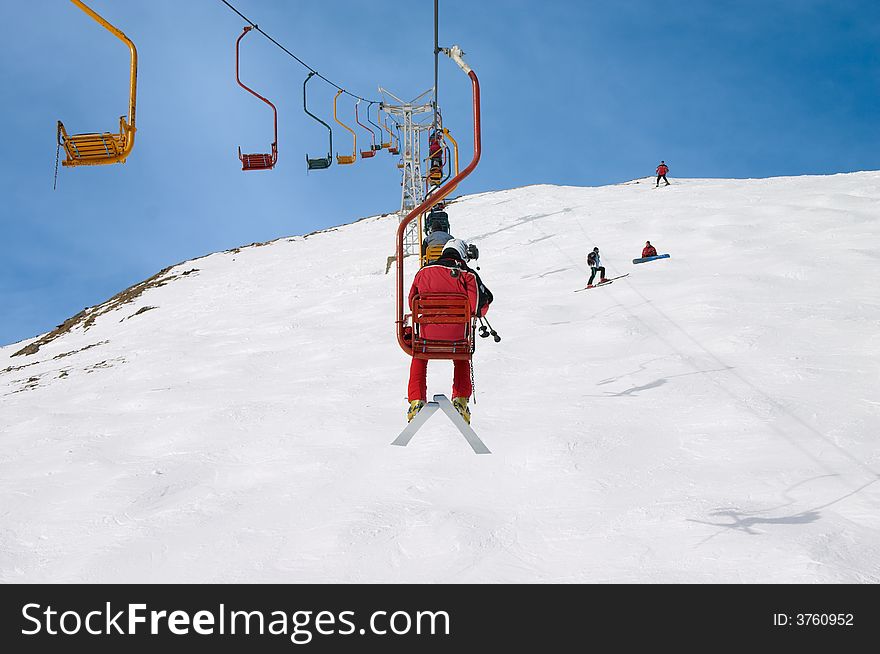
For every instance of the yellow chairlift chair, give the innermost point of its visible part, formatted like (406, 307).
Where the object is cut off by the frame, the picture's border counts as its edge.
(447, 136)
(341, 158)
(96, 149)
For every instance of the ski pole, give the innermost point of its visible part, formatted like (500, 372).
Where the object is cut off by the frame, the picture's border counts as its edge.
(491, 330)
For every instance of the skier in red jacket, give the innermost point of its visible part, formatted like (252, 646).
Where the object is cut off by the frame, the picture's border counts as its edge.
(435, 149)
(435, 152)
(649, 250)
(449, 274)
(662, 169)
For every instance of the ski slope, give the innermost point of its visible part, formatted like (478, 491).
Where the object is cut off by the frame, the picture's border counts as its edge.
(713, 417)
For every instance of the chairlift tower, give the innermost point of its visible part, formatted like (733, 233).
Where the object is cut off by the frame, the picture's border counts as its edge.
(407, 115)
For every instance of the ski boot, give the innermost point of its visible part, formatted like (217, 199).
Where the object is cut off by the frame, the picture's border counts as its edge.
(414, 407)
(589, 285)
(461, 405)
(603, 280)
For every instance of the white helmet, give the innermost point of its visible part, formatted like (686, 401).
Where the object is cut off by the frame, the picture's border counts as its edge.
(458, 247)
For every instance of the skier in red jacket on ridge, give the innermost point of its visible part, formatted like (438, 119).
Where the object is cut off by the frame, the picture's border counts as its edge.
(449, 274)
(662, 169)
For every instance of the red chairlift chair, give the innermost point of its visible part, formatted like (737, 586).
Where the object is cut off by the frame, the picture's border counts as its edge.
(442, 309)
(256, 161)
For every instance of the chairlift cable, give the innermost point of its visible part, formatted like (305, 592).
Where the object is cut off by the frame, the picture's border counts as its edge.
(256, 27)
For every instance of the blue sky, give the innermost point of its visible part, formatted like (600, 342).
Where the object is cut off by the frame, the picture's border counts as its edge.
(582, 93)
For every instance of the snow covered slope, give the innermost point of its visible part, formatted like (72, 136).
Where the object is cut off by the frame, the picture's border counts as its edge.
(713, 417)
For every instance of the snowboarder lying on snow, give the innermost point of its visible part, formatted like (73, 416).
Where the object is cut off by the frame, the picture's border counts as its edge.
(596, 266)
(649, 250)
(449, 274)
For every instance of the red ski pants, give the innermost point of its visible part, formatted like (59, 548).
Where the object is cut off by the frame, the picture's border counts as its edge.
(418, 379)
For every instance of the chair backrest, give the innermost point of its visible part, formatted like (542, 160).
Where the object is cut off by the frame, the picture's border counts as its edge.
(433, 252)
(318, 164)
(435, 175)
(442, 309)
(259, 161)
(96, 149)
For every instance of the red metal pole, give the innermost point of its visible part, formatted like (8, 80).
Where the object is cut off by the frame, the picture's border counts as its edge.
(247, 29)
(429, 202)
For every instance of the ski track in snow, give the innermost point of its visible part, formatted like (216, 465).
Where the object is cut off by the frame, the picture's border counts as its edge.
(712, 417)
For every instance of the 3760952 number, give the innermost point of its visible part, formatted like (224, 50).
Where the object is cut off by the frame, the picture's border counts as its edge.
(823, 619)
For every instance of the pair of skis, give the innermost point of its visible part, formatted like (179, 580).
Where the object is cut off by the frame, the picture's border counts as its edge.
(442, 403)
(605, 283)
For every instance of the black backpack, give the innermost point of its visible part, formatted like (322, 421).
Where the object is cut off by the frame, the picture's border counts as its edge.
(591, 259)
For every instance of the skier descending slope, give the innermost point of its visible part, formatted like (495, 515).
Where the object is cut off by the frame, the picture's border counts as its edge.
(448, 275)
(661, 171)
(595, 263)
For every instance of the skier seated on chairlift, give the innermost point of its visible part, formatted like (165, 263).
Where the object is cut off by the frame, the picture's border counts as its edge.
(449, 274)
(649, 250)
(435, 149)
(437, 229)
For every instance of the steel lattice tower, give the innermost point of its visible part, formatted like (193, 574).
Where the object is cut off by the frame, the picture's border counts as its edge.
(413, 190)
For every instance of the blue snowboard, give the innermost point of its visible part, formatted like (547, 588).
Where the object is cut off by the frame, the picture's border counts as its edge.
(644, 259)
